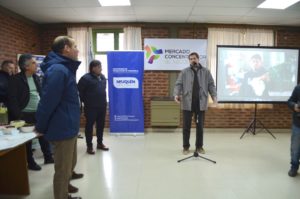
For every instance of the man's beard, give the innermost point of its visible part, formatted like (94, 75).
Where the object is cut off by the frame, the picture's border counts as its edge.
(194, 64)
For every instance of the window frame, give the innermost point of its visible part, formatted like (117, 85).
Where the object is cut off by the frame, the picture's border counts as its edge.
(116, 43)
(116, 33)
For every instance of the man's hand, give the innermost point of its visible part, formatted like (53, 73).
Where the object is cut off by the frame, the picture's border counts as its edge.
(177, 99)
(296, 108)
(38, 134)
(215, 102)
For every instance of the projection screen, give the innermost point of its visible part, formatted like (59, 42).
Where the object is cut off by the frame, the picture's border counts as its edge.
(247, 74)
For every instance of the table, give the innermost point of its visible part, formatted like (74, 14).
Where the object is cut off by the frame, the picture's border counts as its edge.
(13, 164)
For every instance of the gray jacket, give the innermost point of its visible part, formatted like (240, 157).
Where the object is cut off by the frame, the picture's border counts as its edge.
(184, 87)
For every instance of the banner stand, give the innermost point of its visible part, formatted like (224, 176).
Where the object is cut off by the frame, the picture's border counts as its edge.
(125, 81)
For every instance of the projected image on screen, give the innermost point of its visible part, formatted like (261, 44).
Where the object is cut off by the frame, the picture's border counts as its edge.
(256, 74)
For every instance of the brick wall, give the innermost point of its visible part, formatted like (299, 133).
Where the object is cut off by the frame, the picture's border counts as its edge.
(48, 34)
(277, 117)
(20, 35)
(193, 33)
(155, 83)
(288, 38)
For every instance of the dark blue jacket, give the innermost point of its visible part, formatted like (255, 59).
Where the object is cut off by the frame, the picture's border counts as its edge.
(92, 90)
(4, 79)
(58, 114)
(295, 99)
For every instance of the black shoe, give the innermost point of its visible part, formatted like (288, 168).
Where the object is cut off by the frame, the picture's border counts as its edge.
(72, 189)
(75, 197)
(34, 167)
(49, 161)
(102, 147)
(292, 172)
(76, 175)
(90, 150)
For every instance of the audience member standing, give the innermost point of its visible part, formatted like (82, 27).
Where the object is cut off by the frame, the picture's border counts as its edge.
(23, 98)
(58, 114)
(92, 91)
(7, 70)
(294, 105)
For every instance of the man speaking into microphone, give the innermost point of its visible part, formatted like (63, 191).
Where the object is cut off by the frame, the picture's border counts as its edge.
(191, 90)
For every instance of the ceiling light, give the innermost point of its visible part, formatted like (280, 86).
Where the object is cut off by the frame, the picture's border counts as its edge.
(277, 4)
(114, 2)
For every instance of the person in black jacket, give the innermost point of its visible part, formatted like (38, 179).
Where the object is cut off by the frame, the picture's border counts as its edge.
(23, 98)
(7, 69)
(92, 91)
(294, 105)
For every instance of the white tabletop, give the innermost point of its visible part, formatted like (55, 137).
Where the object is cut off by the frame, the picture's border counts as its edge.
(10, 141)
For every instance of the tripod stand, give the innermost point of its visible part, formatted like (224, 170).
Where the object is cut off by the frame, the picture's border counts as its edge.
(252, 127)
(196, 154)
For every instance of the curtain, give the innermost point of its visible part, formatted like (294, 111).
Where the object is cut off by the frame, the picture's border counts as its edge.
(234, 36)
(91, 55)
(132, 38)
(81, 36)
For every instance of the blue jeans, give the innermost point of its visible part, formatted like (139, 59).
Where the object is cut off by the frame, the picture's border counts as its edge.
(295, 147)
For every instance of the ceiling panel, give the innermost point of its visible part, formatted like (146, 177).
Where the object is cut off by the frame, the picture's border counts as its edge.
(294, 7)
(113, 18)
(101, 11)
(268, 20)
(32, 3)
(229, 3)
(60, 18)
(220, 11)
(163, 2)
(274, 13)
(291, 22)
(162, 11)
(196, 19)
(82, 3)
(29, 11)
(212, 19)
(158, 18)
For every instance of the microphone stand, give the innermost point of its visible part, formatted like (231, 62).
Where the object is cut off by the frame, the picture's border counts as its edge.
(196, 154)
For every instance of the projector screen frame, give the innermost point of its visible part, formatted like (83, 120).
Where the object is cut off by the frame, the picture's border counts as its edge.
(251, 101)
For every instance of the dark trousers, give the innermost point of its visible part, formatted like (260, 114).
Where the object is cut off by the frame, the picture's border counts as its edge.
(187, 122)
(93, 115)
(29, 118)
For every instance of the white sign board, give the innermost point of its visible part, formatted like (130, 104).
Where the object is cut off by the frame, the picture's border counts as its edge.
(172, 54)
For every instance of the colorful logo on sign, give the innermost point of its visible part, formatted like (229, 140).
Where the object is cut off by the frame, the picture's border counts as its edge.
(152, 53)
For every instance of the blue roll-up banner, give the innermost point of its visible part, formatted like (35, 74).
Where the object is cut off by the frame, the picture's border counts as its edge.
(125, 80)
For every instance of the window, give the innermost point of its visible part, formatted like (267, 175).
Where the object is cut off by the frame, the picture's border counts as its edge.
(104, 41)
